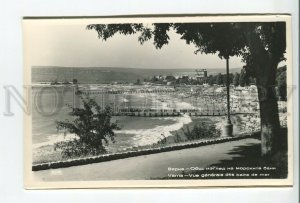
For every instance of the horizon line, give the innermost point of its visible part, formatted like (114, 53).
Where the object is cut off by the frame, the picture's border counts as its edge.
(56, 66)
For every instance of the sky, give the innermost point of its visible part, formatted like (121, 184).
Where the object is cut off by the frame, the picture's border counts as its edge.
(72, 45)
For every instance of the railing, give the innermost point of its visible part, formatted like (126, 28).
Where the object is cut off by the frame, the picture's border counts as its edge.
(175, 112)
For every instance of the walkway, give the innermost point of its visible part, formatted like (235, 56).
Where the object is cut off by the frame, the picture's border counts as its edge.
(148, 166)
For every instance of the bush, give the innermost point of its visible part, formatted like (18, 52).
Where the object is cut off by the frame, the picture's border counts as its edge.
(177, 138)
(92, 125)
(201, 130)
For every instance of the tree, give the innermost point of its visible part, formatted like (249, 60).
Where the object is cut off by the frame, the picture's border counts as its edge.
(138, 81)
(266, 45)
(252, 81)
(261, 44)
(170, 78)
(281, 83)
(236, 79)
(210, 80)
(92, 125)
(244, 80)
(219, 79)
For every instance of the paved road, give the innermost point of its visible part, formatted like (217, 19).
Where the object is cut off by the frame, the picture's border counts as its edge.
(148, 166)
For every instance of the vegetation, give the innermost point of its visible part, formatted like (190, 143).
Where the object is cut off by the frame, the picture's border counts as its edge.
(92, 125)
(260, 44)
(201, 130)
(281, 83)
(220, 79)
(244, 79)
(177, 138)
(138, 82)
(236, 79)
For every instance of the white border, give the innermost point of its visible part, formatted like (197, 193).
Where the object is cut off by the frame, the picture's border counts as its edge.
(11, 150)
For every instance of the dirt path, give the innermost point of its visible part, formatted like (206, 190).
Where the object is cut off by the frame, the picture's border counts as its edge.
(148, 166)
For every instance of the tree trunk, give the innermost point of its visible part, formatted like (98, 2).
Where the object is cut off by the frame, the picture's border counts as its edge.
(264, 64)
(270, 125)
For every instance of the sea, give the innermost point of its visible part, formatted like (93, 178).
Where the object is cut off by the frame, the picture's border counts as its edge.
(51, 103)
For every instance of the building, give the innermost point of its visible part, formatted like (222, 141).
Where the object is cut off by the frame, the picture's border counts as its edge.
(201, 74)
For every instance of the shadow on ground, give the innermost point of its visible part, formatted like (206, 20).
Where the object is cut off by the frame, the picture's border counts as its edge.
(247, 163)
(248, 160)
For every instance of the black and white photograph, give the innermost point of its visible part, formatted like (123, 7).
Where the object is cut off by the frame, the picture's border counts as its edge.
(158, 101)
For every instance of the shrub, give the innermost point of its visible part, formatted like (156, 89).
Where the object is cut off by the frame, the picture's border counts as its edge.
(92, 125)
(177, 138)
(201, 130)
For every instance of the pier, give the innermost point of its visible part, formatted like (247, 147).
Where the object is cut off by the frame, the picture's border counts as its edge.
(174, 112)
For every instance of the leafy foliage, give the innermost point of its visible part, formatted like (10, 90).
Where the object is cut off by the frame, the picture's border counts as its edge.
(201, 130)
(244, 79)
(207, 37)
(177, 138)
(92, 125)
(219, 79)
(236, 79)
(252, 41)
(266, 44)
(210, 80)
(262, 46)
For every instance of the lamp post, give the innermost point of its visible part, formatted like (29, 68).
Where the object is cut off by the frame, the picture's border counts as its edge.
(228, 128)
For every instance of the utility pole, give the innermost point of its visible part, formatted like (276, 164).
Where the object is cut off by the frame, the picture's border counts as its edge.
(228, 128)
